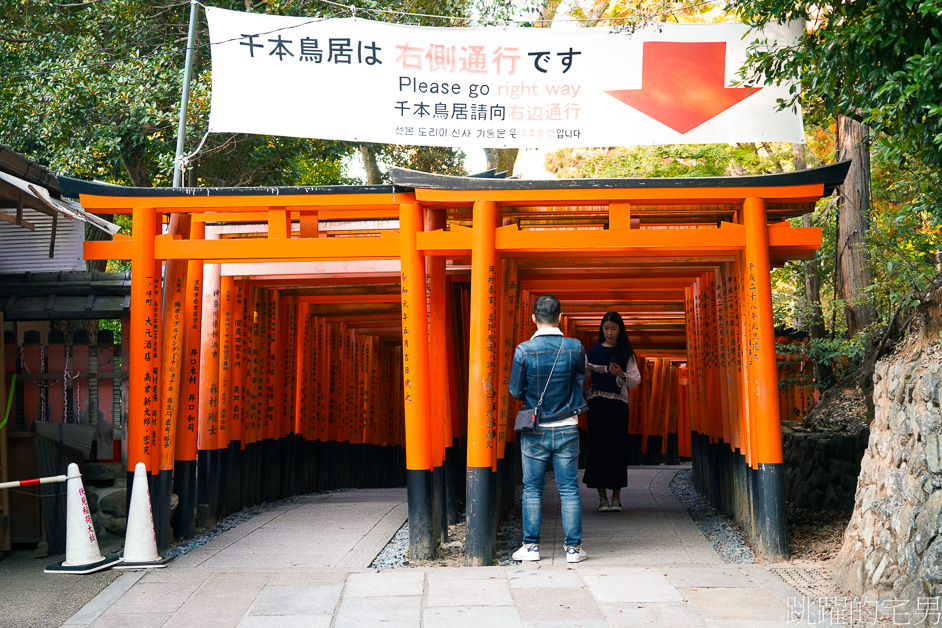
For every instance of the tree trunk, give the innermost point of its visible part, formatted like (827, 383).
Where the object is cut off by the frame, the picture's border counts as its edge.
(373, 174)
(814, 321)
(94, 234)
(853, 222)
(601, 6)
(502, 159)
(547, 13)
(133, 160)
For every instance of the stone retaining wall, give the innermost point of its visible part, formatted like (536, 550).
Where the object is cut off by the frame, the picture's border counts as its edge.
(106, 490)
(892, 549)
(821, 468)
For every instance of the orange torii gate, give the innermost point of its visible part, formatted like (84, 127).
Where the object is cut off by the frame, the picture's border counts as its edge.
(278, 352)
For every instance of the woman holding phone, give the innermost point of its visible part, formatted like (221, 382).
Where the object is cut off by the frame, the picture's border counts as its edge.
(613, 367)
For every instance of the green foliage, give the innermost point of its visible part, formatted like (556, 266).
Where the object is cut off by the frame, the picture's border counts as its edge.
(112, 324)
(433, 159)
(844, 355)
(690, 160)
(92, 90)
(903, 241)
(877, 62)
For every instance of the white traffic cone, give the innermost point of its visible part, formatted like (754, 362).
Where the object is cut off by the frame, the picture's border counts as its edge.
(81, 544)
(140, 542)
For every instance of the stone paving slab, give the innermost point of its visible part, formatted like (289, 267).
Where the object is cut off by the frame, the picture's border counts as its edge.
(620, 584)
(727, 604)
(473, 617)
(708, 577)
(405, 612)
(659, 614)
(286, 621)
(573, 605)
(139, 620)
(471, 592)
(305, 599)
(306, 563)
(544, 579)
(399, 582)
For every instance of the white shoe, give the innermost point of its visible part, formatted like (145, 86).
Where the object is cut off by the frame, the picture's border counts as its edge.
(529, 551)
(575, 554)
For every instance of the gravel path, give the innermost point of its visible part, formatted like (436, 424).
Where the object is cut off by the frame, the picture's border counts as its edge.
(396, 553)
(727, 538)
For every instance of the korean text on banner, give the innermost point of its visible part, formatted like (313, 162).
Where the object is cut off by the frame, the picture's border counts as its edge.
(359, 80)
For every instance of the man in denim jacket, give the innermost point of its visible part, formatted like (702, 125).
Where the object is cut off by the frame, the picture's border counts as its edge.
(556, 437)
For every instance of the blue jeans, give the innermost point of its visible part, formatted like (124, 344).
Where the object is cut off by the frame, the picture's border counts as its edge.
(561, 446)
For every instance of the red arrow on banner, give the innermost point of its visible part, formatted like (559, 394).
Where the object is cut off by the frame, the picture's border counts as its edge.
(682, 84)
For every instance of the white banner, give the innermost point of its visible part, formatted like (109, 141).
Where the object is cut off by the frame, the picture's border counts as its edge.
(365, 81)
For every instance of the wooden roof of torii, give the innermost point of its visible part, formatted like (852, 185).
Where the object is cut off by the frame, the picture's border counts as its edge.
(787, 193)
(535, 209)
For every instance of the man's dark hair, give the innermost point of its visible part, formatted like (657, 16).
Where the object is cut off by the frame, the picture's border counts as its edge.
(546, 310)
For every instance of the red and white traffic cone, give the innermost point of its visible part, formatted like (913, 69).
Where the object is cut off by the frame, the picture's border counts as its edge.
(81, 544)
(140, 541)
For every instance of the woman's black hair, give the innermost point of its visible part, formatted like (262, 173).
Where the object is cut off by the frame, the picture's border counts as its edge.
(624, 345)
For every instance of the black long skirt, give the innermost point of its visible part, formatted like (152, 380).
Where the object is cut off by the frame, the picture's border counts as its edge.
(606, 464)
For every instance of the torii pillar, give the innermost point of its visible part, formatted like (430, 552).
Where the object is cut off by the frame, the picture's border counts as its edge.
(419, 481)
(482, 387)
(762, 382)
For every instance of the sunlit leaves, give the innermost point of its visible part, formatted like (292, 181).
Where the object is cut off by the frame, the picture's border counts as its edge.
(874, 61)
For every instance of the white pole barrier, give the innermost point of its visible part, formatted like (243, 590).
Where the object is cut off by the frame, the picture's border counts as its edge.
(52, 479)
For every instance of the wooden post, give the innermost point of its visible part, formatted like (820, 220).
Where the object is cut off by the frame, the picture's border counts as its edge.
(322, 405)
(185, 447)
(171, 354)
(255, 369)
(208, 426)
(32, 362)
(143, 388)
(303, 398)
(482, 386)
(56, 392)
(763, 387)
(291, 431)
(505, 465)
(105, 436)
(415, 382)
(269, 461)
(237, 399)
(439, 408)
(5, 428)
(277, 388)
(226, 336)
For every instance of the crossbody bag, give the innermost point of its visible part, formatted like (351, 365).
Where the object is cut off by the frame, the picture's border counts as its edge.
(528, 419)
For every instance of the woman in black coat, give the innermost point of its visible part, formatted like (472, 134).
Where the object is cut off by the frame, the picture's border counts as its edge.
(613, 367)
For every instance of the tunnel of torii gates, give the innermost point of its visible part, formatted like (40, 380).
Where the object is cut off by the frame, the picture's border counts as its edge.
(288, 340)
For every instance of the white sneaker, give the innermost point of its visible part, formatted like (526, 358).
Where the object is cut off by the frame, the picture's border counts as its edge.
(529, 551)
(575, 554)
